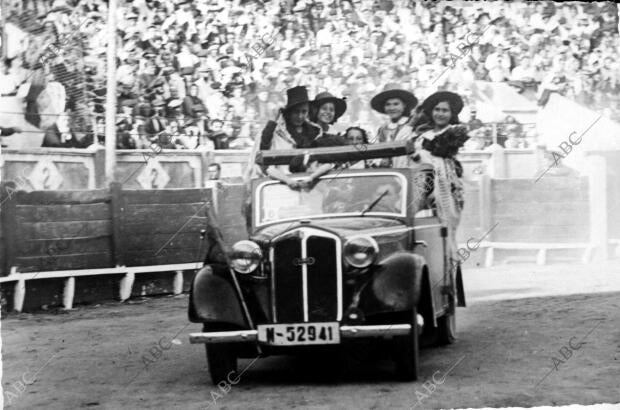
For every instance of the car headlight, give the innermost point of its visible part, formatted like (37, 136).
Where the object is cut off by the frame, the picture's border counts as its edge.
(360, 251)
(245, 256)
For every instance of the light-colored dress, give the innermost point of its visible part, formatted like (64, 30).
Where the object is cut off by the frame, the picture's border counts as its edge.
(396, 131)
(448, 187)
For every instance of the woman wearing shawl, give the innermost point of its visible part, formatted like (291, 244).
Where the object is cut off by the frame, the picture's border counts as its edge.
(438, 143)
(292, 129)
(398, 105)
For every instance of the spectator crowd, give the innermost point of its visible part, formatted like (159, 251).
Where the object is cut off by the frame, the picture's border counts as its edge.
(210, 73)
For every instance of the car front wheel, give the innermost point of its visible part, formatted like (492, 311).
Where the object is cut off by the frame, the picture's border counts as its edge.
(406, 352)
(221, 361)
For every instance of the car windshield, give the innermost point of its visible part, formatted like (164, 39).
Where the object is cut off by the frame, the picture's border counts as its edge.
(333, 196)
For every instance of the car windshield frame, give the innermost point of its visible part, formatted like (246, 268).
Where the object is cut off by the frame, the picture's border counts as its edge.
(403, 192)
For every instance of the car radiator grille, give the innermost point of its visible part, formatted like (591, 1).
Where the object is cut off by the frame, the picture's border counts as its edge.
(306, 277)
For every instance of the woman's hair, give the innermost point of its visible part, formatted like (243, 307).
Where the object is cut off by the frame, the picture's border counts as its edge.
(363, 131)
(454, 118)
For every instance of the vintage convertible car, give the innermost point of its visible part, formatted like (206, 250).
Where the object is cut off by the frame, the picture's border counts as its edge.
(360, 255)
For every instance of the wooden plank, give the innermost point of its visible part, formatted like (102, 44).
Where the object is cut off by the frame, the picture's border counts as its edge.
(337, 154)
(62, 213)
(136, 226)
(141, 258)
(63, 230)
(65, 197)
(150, 242)
(166, 196)
(154, 212)
(62, 262)
(66, 246)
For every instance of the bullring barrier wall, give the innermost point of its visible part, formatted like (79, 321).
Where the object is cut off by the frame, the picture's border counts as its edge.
(68, 231)
(99, 230)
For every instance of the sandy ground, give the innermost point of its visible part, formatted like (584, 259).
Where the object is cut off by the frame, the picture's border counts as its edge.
(514, 349)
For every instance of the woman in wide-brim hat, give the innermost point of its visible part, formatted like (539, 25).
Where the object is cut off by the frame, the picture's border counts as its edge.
(326, 109)
(397, 104)
(437, 144)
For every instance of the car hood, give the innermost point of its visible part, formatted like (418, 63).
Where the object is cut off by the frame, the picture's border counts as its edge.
(344, 227)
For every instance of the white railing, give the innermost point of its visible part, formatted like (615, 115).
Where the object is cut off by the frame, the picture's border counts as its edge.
(126, 283)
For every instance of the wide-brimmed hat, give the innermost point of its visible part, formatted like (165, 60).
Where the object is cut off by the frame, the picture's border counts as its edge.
(454, 100)
(393, 91)
(340, 104)
(296, 96)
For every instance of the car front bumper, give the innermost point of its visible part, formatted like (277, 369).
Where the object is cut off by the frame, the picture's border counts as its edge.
(346, 332)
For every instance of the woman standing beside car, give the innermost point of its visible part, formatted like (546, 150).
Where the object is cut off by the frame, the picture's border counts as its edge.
(437, 144)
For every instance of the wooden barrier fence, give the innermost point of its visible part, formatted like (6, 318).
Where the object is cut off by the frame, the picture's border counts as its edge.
(66, 247)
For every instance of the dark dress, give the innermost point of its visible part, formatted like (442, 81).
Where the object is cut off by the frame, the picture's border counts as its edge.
(302, 140)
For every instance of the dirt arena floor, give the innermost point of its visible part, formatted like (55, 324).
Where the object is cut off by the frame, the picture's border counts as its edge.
(530, 336)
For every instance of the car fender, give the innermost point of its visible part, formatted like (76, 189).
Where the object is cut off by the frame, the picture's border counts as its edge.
(213, 299)
(397, 282)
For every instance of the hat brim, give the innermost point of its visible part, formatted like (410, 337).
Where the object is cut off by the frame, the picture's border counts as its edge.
(378, 101)
(340, 105)
(455, 101)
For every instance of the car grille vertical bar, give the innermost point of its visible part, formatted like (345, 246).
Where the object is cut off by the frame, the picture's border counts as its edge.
(322, 284)
(307, 276)
(287, 280)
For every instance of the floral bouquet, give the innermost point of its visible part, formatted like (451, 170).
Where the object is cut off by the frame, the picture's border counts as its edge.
(447, 144)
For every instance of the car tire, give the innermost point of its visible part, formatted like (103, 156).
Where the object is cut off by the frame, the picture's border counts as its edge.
(407, 352)
(446, 329)
(221, 360)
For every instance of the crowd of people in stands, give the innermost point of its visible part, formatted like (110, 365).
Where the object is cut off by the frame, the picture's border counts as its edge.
(211, 73)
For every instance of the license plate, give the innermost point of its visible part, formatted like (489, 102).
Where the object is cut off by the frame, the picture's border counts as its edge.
(299, 334)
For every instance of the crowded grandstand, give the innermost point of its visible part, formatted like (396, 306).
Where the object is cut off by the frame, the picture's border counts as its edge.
(210, 74)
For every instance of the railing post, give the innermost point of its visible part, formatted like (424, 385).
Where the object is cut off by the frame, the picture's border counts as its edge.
(8, 221)
(597, 198)
(178, 282)
(68, 293)
(497, 162)
(19, 295)
(126, 285)
(116, 214)
(99, 161)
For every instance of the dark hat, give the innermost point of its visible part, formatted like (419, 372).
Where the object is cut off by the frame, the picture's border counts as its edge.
(454, 100)
(296, 96)
(339, 103)
(393, 91)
